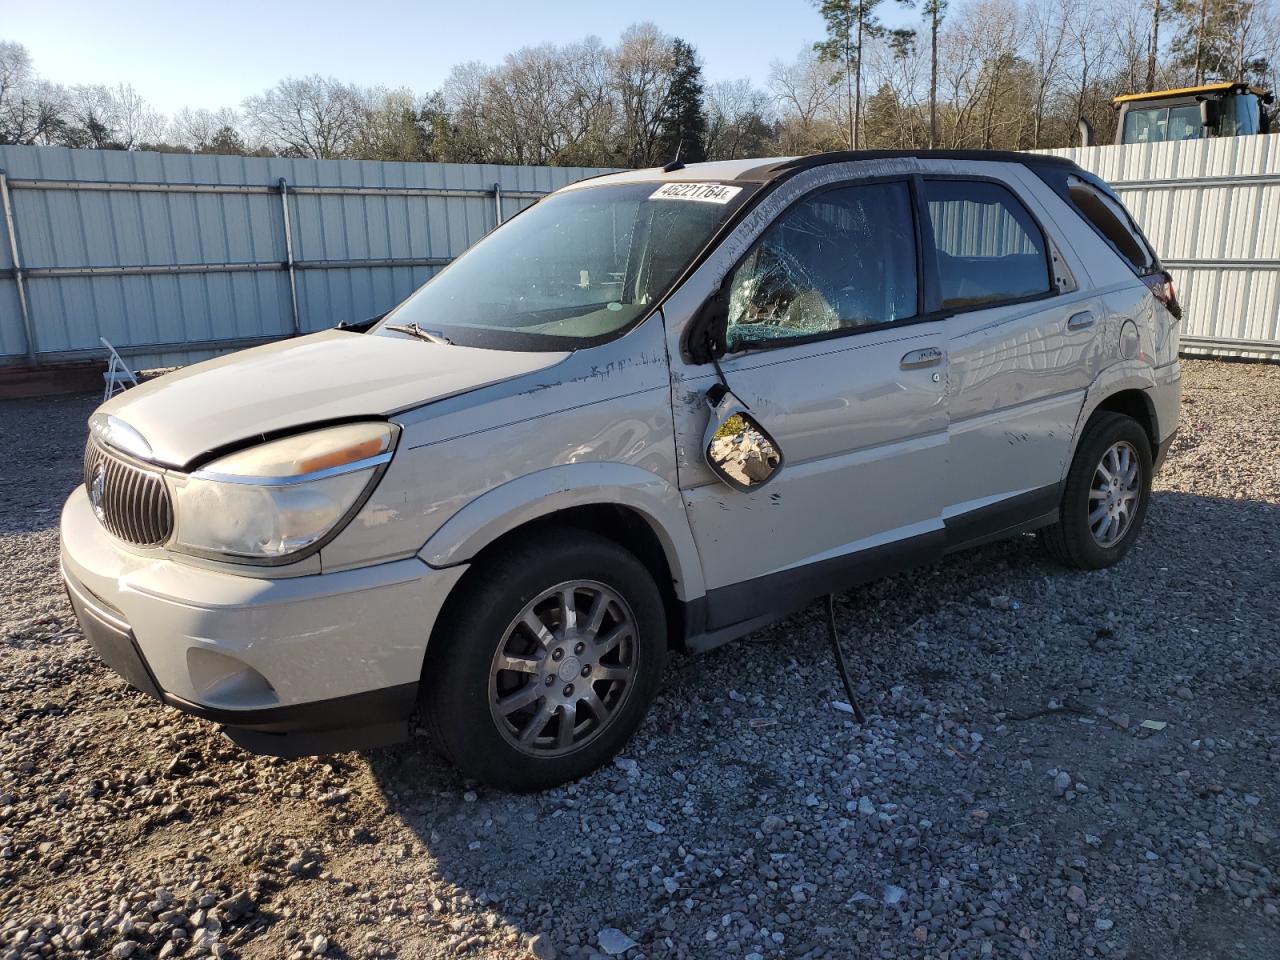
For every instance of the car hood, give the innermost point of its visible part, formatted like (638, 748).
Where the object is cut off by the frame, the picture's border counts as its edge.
(326, 376)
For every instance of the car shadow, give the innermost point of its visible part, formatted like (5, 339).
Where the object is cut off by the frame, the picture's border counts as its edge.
(629, 846)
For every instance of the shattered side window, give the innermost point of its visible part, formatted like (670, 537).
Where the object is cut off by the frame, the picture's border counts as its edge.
(842, 259)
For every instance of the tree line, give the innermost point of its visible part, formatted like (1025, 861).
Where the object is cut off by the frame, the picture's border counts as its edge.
(987, 74)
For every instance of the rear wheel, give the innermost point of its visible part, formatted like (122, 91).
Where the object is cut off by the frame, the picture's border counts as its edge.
(1105, 497)
(547, 661)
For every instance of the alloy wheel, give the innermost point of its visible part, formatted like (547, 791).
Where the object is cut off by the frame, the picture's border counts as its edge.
(1114, 494)
(565, 665)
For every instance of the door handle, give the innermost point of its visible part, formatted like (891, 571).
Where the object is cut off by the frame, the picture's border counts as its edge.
(926, 357)
(1081, 321)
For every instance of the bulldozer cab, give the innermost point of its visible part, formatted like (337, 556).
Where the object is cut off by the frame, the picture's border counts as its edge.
(1193, 113)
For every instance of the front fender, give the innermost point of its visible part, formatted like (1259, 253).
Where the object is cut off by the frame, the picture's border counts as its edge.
(535, 495)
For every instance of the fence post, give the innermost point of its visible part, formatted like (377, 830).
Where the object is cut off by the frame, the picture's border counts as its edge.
(497, 202)
(288, 252)
(18, 282)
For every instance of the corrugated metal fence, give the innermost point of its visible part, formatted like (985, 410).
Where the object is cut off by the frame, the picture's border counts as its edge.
(174, 257)
(1212, 210)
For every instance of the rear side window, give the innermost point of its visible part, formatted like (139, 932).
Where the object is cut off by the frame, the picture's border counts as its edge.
(1111, 220)
(989, 248)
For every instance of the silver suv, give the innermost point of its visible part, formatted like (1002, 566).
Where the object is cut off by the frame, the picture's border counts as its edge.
(655, 411)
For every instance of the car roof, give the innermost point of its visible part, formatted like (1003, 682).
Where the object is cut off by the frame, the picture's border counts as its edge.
(766, 169)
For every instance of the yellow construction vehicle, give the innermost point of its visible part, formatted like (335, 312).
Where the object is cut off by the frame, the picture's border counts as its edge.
(1193, 113)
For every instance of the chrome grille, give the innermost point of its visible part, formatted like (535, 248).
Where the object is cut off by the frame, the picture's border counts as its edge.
(131, 501)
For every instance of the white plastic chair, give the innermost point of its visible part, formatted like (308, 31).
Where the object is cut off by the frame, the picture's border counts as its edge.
(118, 377)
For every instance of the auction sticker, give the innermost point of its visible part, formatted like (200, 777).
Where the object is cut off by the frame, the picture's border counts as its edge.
(702, 192)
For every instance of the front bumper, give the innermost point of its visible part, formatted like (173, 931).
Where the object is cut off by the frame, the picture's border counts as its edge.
(290, 665)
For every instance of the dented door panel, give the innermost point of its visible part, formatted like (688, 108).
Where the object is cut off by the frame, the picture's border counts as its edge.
(864, 441)
(1017, 380)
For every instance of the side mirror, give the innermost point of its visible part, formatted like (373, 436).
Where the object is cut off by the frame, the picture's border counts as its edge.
(739, 451)
(1209, 114)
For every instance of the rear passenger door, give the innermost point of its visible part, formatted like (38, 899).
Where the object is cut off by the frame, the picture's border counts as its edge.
(1021, 354)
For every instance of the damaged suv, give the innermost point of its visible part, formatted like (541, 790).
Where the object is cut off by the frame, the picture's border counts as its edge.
(655, 411)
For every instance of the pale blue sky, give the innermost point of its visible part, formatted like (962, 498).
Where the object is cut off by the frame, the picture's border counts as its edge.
(213, 53)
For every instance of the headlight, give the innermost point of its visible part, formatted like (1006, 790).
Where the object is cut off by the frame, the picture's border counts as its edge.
(270, 502)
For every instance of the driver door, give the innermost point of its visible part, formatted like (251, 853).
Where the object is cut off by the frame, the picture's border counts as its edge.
(828, 350)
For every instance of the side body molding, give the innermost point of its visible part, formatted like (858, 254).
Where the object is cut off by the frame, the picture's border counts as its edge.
(504, 508)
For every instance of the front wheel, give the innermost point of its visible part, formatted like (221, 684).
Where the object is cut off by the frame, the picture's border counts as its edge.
(546, 662)
(1105, 497)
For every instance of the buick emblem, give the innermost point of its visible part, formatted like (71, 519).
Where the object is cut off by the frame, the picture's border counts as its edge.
(98, 490)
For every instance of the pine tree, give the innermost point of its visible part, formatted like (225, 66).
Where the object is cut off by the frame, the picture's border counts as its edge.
(850, 25)
(684, 125)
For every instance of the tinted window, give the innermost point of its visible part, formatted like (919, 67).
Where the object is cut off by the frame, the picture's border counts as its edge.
(1111, 220)
(989, 248)
(840, 260)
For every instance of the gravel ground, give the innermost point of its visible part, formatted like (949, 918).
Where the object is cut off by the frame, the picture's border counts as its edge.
(1056, 765)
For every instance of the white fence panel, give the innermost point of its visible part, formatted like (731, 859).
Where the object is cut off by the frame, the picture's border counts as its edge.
(176, 257)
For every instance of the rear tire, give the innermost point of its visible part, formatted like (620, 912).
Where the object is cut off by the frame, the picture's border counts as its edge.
(1104, 500)
(546, 661)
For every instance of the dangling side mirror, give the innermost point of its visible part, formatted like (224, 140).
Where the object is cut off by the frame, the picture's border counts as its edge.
(739, 451)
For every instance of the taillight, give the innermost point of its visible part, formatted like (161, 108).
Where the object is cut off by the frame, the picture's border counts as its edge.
(1161, 285)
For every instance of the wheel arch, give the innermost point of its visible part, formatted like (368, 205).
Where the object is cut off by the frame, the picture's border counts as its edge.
(1135, 403)
(1122, 388)
(627, 504)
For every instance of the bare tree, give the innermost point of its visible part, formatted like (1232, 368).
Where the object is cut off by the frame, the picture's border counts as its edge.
(1047, 42)
(111, 117)
(131, 117)
(807, 95)
(738, 120)
(959, 78)
(899, 74)
(525, 100)
(1153, 44)
(31, 109)
(641, 69)
(198, 130)
(1092, 48)
(311, 116)
(1251, 36)
(463, 94)
(590, 111)
(16, 77)
(396, 126)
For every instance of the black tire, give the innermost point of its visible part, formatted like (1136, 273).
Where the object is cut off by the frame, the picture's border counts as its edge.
(456, 682)
(1071, 541)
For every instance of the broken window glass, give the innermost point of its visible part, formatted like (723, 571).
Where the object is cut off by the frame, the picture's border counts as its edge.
(841, 259)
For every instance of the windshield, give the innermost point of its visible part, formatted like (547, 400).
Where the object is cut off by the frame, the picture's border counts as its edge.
(576, 268)
(1158, 124)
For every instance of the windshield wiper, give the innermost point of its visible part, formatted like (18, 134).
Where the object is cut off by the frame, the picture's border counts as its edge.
(416, 331)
